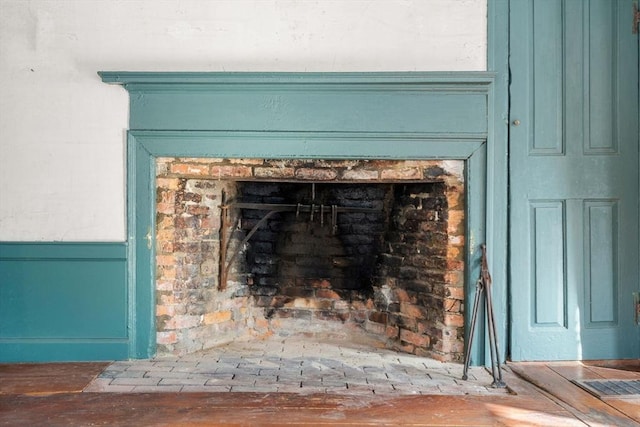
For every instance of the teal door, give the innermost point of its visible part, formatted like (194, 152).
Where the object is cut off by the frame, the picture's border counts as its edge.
(573, 180)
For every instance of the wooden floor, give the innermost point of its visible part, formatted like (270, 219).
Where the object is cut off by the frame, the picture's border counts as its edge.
(50, 394)
(555, 379)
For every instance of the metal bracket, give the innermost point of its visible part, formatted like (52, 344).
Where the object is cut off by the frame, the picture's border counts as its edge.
(224, 267)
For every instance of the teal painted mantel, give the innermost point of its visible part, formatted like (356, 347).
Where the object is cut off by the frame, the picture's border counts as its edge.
(306, 115)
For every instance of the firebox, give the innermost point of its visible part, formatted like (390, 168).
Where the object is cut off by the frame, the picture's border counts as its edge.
(253, 247)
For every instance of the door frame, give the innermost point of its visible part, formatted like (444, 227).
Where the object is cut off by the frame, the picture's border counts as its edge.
(498, 170)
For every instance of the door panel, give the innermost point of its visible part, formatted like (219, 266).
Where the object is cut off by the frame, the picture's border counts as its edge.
(573, 180)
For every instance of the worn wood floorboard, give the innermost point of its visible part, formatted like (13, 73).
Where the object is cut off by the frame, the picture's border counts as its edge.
(47, 378)
(117, 409)
(624, 364)
(610, 373)
(587, 407)
(578, 371)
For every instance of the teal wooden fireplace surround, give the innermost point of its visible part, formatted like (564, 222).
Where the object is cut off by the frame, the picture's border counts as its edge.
(328, 116)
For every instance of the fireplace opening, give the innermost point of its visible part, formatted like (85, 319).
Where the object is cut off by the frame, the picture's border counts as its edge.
(326, 246)
(244, 251)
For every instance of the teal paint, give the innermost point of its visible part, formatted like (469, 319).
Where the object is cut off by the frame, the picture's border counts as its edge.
(574, 180)
(141, 249)
(312, 130)
(476, 233)
(322, 145)
(63, 301)
(497, 173)
(286, 109)
(392, 102)
(184, 81)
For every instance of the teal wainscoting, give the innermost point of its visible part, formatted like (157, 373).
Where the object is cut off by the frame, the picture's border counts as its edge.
(63, 301)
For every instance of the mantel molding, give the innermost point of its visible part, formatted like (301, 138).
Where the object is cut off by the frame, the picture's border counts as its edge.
(427, 78)
(453, 103)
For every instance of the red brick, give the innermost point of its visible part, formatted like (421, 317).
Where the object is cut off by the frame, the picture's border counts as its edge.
(418, 340)
(166, 272)
(182, 322)
(165, 260)
(454, 278)
(247, 161)
(165, 234)
(168, 183)
(260, 172)
(402, 295)
(455, 198)
(452, 305)
(392, 332)
(411, 310)
(210, 223)
(404, 347)
(316, 174)
(401, 173)
(164, 247)
(217, 317)
(358, 316)
(166, 208)
(378, 317)
(165, 338)
(450, 346)
(190, 169)
(455, 265)
(340, 305)
(197, 210)
(322, 283)
(360, 175)
(206, 160)
(230, 172)
(164, 285)
(455, 224)
(165, 310)
(454, 253)
(456, 292)
(327, 293)
(336, 163)
(439, 356)
(375, 328)
(454, 319)
(164, 222)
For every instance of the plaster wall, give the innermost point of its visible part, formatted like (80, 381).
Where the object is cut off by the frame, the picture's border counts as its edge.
(62, 131)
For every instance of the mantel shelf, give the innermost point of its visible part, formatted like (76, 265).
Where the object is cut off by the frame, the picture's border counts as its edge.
(284, 78)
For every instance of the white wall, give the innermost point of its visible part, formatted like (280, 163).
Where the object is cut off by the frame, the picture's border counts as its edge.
(62, 130)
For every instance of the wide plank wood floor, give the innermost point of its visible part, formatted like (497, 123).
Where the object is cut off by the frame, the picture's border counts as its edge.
(555, 378)
(49, 394)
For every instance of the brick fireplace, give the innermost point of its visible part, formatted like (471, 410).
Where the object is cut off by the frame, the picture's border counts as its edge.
(255, 247)
(423, 150)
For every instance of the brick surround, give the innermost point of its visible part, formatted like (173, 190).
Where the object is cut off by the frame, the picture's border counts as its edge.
(415, 296)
